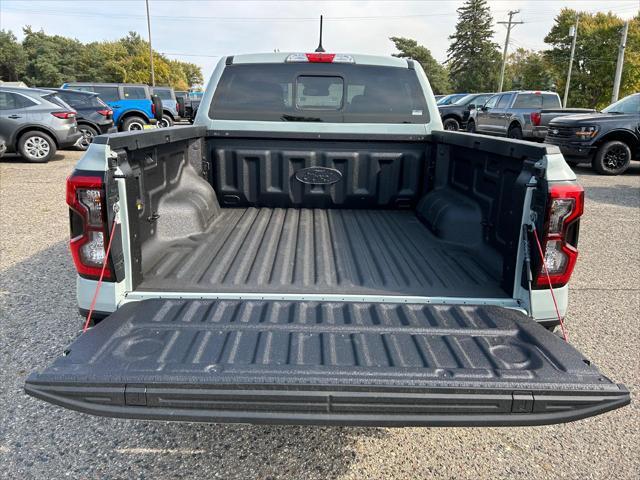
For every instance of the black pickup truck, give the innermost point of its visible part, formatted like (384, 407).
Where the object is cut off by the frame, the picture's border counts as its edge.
(609, 139)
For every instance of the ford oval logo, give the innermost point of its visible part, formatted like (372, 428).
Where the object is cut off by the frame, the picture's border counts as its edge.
(555, 131)
(318, 175)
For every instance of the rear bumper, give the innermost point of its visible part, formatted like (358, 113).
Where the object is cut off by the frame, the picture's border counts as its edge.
(538, 133)
(304, 405)
(69, 139)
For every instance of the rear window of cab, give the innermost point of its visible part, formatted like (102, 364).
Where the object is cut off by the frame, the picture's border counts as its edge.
(319, 92)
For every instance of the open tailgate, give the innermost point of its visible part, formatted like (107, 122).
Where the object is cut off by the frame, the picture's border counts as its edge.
(325, 363)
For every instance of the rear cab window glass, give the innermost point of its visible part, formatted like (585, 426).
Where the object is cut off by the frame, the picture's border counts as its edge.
(134, 93)
(528, 100)
(108, 94)
(341, 93)
(549, 100)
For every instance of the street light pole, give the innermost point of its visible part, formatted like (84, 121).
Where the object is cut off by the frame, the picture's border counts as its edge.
(153, 75)
(573, 49)
(618, 77)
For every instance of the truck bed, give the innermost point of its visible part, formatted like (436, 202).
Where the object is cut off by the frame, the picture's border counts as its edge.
(321, 251)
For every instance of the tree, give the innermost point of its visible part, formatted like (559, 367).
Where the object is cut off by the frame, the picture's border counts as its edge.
(473, 57)
(528, 70)
(12, 57)
(437, 74)
(595, 56)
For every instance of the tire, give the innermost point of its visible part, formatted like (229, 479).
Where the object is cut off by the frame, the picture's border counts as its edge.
(451, 124)
(36, 147)
(134, 123)
(515, 132)
(612, 158)
(165, 122)
(471, 126)
(88, 133)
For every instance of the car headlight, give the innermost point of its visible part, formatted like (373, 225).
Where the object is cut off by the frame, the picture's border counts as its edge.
(586, 133)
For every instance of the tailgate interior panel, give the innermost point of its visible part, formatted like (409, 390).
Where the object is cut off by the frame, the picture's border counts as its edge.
(325, 363)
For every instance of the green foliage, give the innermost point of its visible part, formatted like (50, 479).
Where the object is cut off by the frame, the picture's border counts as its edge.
(595, 56)
(528, 70)
(12, 57)
(437, 73)
(473, 57)
(50, 60)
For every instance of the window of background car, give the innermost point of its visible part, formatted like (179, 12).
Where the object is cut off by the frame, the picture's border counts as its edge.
(504, 101)
(78, 100)
(528, 100)
(630, 104)
(550, 100)
(491, 103)
(340, 93)
(11, 101)
(56, 100)
(108, 94)
(134, 93)
(163, 94)
(480, 100)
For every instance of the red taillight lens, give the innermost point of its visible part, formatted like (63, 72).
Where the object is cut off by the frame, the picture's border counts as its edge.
(64, 115)
(106, 112)
(535, 118)
(153, 109)
(320, 57)
(85, 197)
(566, 204)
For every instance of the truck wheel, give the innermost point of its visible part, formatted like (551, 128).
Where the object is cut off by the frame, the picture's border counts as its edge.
(612, 158)
(88, 132)
(515, 132)
(36, 147)
(133, 124)
(165, 122)
(451, 124)
(471, 126)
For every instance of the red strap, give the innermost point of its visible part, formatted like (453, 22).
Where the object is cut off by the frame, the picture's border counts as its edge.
(104, 266)
(553, 295)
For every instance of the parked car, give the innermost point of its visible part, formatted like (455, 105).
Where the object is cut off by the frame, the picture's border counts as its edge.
(94, 116)
(609, 140)
(438, 97)
(131, 103)
(303, 256)
(35, 123)
(170, 113)
(455, 115)
(519, 114)
(449, 99)
(194, 102)
(182, 97)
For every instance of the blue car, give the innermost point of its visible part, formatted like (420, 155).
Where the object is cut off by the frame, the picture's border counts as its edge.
(131, 103)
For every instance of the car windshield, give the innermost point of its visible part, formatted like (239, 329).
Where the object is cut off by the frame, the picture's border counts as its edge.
(449, 99)
(630, 104)
(466, 99)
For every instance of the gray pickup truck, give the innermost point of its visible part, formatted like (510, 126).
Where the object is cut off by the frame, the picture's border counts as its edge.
(316, 249)
(519, 114)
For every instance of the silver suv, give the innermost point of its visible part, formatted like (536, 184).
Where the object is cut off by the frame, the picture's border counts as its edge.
(35, 123)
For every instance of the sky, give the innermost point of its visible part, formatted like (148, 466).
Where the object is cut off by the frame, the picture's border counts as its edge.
(203, 31)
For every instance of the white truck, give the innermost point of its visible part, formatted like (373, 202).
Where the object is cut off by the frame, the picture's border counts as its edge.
(316, 249)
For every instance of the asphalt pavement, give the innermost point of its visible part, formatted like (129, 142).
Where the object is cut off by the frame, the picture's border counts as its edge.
(38, 318)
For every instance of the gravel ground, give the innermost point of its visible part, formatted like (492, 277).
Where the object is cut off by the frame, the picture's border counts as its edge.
(39, 317)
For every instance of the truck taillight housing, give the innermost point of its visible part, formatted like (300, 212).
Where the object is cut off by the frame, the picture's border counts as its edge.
(559, 242)
(87, 213)
(536, 117)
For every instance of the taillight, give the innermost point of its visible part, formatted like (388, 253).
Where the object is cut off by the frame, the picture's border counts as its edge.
(153, 109)
(177, 107)
(564, 209)
(85, 197)
(106, 112)
(535, 118)
(64, 115)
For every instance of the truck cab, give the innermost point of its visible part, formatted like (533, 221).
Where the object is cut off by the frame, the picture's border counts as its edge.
(131, 103)
(316, 249)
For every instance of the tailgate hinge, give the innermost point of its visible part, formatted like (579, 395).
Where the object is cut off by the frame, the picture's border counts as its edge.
(522, 402)
(135, 395)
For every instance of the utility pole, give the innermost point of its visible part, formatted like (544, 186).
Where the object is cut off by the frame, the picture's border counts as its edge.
(153, 75)
(506, 44)
(574, 32)
(618, 77)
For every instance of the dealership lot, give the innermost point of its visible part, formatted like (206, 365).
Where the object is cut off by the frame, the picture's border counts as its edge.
(39, 318)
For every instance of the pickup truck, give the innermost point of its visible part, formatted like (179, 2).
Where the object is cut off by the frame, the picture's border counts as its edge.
(609, 140)
(519, 114)
(455, 115)
(316, 249)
